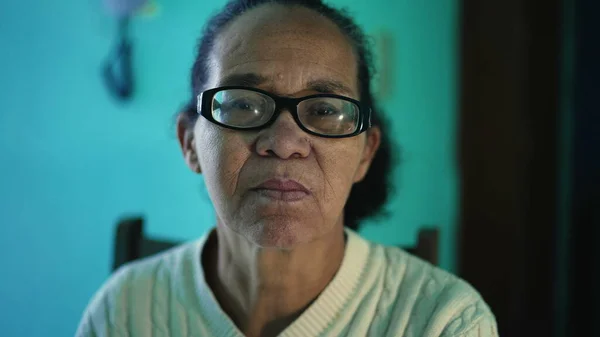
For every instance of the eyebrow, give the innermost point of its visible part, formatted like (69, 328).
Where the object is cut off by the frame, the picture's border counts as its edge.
(329, 87)
(248, 79)
(324, 86)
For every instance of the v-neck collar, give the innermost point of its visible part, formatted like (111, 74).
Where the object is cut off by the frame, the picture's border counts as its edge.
(315, 320)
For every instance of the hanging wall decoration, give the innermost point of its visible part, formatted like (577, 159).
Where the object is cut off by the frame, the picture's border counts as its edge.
(117, 69)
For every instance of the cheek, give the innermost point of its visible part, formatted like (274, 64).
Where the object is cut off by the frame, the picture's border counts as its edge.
(221, 155)
(339, 165)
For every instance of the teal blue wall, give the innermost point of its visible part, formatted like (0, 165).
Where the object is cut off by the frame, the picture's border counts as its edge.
(73, 160)
(423, 114)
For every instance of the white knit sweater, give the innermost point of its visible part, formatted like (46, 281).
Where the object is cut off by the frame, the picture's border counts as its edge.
(378, 291)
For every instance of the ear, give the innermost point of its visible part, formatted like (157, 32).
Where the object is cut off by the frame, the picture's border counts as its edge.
(372, 145)
(185, 135)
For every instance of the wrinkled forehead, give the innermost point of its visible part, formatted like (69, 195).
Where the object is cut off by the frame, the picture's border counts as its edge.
(295, 37)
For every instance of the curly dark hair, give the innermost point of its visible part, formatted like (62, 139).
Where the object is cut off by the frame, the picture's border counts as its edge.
(368, 196)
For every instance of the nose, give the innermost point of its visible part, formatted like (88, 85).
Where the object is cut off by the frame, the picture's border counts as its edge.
(283, 139)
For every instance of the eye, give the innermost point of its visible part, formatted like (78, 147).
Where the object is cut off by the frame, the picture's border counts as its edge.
(323, 110)
(240, 104)
(329, 115)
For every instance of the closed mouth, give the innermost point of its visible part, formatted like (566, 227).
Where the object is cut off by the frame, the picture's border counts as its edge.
(282, 189)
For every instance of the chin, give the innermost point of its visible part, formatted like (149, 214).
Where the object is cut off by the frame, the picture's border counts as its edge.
(282, 233)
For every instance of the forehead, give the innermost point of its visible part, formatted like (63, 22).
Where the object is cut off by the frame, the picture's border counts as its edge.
(290, 45)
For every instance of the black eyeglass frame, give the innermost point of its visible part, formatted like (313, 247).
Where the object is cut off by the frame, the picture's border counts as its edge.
(204, 108)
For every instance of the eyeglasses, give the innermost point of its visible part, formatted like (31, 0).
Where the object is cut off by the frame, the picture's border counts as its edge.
(324, 115)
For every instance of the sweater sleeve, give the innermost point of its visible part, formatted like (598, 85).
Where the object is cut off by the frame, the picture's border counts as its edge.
(86, 328)
(484, 327)
(466, 314)
(474, 321)
(105, 313)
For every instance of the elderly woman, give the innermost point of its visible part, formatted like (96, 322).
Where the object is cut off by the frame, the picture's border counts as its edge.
(285, 131)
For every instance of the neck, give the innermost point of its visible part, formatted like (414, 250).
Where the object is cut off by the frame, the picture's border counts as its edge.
(263, 290)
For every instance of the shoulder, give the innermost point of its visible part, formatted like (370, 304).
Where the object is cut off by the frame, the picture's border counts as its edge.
(145, 283)
(428, 300)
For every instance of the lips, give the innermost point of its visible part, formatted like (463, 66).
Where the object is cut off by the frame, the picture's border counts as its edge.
(282, 189)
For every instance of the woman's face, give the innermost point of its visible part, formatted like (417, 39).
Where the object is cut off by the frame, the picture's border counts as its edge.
(251, 176)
